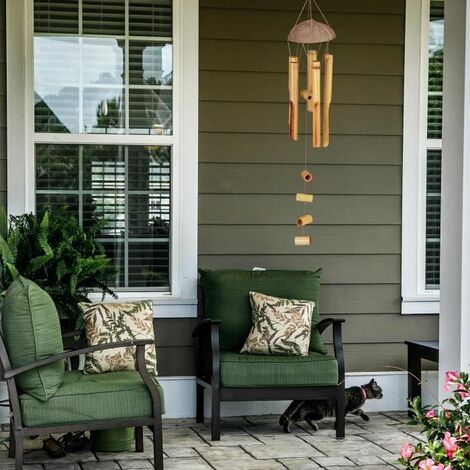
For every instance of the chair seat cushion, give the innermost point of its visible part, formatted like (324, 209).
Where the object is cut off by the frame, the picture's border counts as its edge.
(85, 398)
(245, 370)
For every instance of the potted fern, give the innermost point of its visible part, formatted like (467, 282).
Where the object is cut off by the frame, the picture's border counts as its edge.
(59, 255)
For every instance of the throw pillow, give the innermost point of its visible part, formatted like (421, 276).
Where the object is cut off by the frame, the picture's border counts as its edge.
(31, 330)
(113, 322)
(280, 326)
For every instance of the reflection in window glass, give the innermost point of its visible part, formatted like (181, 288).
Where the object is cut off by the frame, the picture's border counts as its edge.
(129, 187)
(434, 144)
(106, 67)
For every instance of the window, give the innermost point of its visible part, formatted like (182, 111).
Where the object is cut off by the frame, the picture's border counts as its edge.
(422, 155)
(104, 132)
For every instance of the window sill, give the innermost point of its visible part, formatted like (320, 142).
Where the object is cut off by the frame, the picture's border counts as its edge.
(421, 305)
(164, 305)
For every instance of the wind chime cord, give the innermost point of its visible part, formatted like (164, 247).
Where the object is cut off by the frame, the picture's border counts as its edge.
(321, 13)
(305, 157)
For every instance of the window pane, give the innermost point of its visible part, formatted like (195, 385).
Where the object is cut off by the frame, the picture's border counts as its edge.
(57, 167)
(104, 17)
(435, 74)
(150, 18)
(433, 218)
(150, 111)
(57, 202)
(56, 84)
(435, 116)
(103, 111)
(84, 80)
(56, 16)
(149, 264)
(129, 187)
(150, 63)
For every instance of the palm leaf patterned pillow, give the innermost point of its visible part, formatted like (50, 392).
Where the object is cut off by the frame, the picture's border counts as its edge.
(111, 322)
(280, 326)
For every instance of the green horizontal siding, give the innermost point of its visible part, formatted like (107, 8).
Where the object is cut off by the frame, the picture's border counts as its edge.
(249, 169)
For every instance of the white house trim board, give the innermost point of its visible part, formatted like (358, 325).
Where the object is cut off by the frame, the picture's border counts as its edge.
(415, 298)
(180, 396)
(181, 301)
(454, 321)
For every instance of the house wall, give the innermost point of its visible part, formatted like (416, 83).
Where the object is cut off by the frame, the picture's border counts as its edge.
(3, 123)
(249, 169)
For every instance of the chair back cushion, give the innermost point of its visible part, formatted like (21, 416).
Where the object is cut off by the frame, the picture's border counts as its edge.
(31, 331)
(226, 298)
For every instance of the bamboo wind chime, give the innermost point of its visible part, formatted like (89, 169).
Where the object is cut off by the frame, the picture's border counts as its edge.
(306, 34)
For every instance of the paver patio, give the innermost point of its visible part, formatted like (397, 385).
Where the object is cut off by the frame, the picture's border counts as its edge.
(248, 443)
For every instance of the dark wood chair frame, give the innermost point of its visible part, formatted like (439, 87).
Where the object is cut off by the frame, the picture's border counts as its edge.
(18, 431)
(207, 334)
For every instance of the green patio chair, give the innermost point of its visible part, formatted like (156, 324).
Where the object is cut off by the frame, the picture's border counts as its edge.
(231, 376)
(46, 399)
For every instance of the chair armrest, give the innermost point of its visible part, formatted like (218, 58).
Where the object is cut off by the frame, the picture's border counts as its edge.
(212, 329)
(67, 354)
(337, 342)
(204, 326)
(322, 325)
(148, 379)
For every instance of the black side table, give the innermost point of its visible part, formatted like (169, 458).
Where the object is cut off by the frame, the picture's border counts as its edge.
(418, 350)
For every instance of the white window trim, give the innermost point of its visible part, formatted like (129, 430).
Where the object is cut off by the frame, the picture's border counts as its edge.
(182, 301)
(415, 298)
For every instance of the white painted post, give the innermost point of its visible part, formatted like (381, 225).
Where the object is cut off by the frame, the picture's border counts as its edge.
(454, 322)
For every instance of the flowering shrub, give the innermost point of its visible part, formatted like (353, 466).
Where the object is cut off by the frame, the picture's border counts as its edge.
(446, 427)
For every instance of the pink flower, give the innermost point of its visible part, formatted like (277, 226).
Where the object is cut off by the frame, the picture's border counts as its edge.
(406, 451)
(450, 445)
(427, 464)
(451, 378)
(463, 392)
(430, 414)
(448, 467)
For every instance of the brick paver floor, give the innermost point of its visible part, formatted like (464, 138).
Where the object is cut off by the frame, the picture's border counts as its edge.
(248, 443)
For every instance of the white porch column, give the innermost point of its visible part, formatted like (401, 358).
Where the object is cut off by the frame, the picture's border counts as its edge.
(454, 322)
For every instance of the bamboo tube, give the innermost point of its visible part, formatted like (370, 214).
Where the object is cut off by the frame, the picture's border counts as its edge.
(306, 175)
(327, 93)
(316, 131)
(311, 58)
(301, 197)
(303, 241)
(307, 96)
(304, 220)
(294, 97)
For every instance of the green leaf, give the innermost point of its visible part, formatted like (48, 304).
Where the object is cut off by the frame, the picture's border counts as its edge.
(3, 223)
(5, 252)
(13, 271)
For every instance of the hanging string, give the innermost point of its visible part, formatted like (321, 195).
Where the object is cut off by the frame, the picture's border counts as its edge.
(305, 159)
(321, 13)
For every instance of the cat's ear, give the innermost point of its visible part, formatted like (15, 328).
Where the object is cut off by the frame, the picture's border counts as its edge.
(372, 382)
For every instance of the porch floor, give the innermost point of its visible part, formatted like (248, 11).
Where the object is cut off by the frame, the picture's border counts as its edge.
(248, 443)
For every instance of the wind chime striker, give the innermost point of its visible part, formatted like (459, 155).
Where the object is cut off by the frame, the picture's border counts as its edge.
(312, 39)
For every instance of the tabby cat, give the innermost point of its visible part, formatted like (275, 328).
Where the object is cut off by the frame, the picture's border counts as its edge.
(316, 410)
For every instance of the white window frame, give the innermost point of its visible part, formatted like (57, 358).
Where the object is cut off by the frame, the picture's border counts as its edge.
(182, 300)
(416, 299)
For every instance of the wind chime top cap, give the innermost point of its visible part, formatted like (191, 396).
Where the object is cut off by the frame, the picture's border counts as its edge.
(310, 32)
